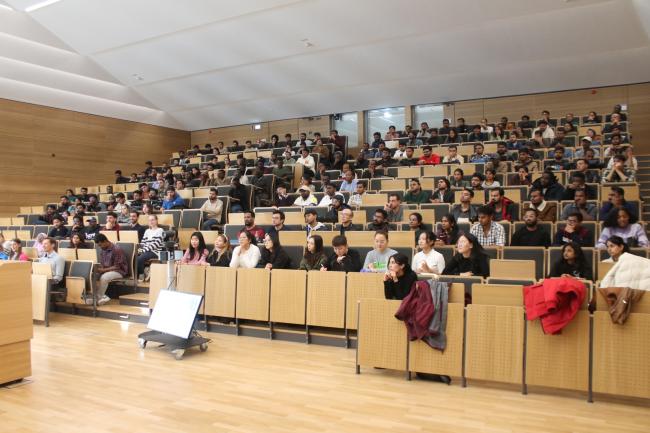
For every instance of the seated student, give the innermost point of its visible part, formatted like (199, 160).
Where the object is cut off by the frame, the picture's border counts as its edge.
(623, 224)
(572, 264)
(151, 243)
(197, 252)
(211, 209)
(250, 226)
(344, 258)
(124, 217)
(78, 242)
(504, 208)
(394, 211)
(416, 194)
(457, 180)
(58, 230)
(337, 206)
(616, 246)
(16, 252)
(50, 213)
(134, 225)
(574, 232)
(465, 211)
(306, 198)
(476, 182)
(408, 160)
(273, 256)
(587, 210)
(379, 221)
(172, 200)
(550, 187)
(346, 225)
(311, 222)
(399, 278)
(221, 254)
(489, 181)
(532, 234)
(448, 232)
(314, 257)
(111, 222)
(377, 258)
(427, 260)
(616, 200)
(452, 156)
(443, 194)
(246, 254)
(54, 259)
(479, 157)
(619, 172)
(477, 135)
(92, 229)
(416, 225)
(469, 260)
(546, 211)
(428, 158)
(487, 231)
(112, 266)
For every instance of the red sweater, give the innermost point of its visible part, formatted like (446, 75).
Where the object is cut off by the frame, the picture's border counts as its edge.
(555, 301)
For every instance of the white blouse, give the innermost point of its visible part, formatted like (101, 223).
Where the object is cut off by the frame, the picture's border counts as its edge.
(433, 260)
(245, 259)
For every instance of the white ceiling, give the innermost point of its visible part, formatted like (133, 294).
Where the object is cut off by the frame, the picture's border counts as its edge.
(215, 63)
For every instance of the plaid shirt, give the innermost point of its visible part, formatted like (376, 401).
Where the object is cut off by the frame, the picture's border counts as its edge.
(496, 235)
(114, 256)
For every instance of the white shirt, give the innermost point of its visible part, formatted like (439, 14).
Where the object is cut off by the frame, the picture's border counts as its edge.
(212, 209)
(400, 153)
(548, 132)
(325, 201)
(433, 260)
(311, 200)
(487, 130)
(356, 200)
(307, 162)
(245, 259)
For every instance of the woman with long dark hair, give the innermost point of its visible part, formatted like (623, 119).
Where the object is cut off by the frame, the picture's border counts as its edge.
(470, 259)
(314, 257)
(447, 233)
(573, 263)
(196, 253)
(273, 255)
(399, 277)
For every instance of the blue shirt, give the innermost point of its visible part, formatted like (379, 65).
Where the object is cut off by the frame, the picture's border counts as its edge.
(350, 187)
(176, 201)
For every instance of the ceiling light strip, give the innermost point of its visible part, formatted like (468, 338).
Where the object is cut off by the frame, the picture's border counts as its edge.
(40, 5)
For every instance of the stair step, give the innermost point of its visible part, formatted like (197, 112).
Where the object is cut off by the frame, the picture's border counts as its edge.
(124, 310)
(135, 300)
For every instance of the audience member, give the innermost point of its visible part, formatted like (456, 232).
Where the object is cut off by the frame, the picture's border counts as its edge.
(314, 257)
(394, 211)
(344, 258)
(616, 246)
(56, 262)
(305, 198)
(311, 222)
(246, 254)
(377, 258)
(616, 200)
(443, 194)
(415, 194)
(546, 211)
(488, 232)
(427, 260)
(212, 209)
(356, 199)
(504, 208)
(112, 266)
(17, 253)
(623, 224)
(399, 278)
(531, 234)
(250, 227)
(573, 263)
(470, 259)
(465, 211)
(273, 256)
(221, 254)
(151, 243)
(58, 230)
(587, 210)
(574, 231)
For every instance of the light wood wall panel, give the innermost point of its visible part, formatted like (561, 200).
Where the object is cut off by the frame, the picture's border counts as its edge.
(639, 109)
(510, 106)
(472, 111)
(309, 125)
(46, 150)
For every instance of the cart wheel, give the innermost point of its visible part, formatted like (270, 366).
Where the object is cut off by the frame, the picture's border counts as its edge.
(178, 354)
(142, 343)
(203, 347)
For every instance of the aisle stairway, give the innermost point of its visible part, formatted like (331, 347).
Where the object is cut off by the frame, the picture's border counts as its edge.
(643, 177)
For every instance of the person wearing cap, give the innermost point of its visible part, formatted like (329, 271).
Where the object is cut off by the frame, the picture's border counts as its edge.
(585, 145)
(92, 229)
(58, 230)
(338, 204)
(306, 198)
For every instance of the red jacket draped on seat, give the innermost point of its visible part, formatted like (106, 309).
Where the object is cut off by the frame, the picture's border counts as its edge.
(555, 301)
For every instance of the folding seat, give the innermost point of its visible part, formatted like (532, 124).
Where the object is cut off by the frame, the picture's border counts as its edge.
(537, 254)
(191, 219)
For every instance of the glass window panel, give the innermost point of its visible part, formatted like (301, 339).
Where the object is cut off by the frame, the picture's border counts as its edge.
(430, 113)
(348, 124)
(379, 120)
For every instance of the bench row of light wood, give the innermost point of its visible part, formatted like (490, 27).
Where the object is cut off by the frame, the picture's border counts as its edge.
(501, 346)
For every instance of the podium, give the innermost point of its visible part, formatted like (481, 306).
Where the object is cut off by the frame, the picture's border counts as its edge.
(16, 327)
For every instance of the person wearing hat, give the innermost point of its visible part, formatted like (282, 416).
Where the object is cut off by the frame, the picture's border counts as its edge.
(585, 143)
(92, 229)
(306, 198)
(338, 204)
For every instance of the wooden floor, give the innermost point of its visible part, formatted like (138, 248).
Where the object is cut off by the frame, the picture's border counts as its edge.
(90, 376)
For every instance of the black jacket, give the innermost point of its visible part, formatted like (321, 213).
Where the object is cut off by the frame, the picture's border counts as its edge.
(278, 258)
(351, 262)
(401, 288)
(223, 261)
(458, 264)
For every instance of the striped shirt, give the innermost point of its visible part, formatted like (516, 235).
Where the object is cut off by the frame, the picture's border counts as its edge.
(495, 236)
(152, 240)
